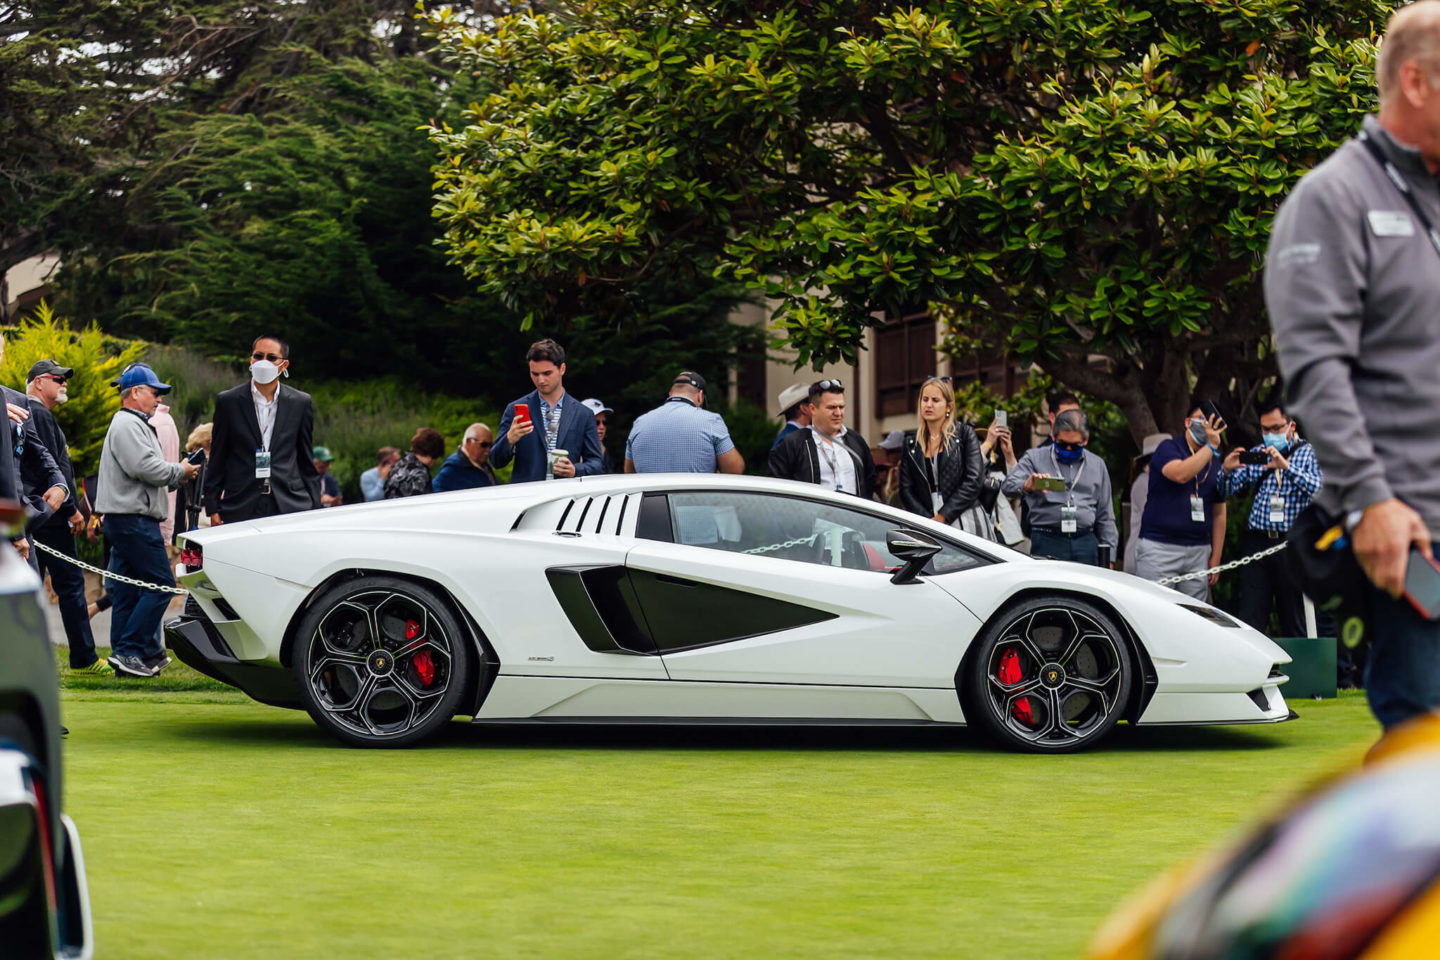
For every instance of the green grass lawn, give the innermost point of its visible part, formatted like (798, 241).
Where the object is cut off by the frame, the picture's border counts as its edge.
(215, 827)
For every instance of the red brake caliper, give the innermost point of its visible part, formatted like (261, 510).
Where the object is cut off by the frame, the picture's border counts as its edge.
(424, 663)
(1010, 674)
(412, 629)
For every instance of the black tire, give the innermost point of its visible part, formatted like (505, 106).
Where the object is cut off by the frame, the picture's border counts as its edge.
(382, 662)
(1049, 675)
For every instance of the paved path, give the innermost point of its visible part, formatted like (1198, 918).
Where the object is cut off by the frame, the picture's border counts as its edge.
(99, 625)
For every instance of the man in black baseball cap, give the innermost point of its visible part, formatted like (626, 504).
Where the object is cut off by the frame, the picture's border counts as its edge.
(45, 389)
(680, 436)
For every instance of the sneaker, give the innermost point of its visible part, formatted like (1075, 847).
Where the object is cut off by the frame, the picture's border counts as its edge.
(99, 668)
(133, 667)
(160, 661)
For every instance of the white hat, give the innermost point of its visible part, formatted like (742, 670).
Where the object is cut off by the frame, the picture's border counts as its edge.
(1151, 441)
(792, 395)
(596, 407)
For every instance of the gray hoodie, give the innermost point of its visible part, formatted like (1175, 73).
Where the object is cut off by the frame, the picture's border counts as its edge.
(133, 473)
(1352, 283)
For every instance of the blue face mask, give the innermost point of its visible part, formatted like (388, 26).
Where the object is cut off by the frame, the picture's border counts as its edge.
(1068, 452)
(1277, 440)
(1197, 432)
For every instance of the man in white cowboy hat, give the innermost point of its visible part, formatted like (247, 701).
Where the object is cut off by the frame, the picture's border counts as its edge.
(795, 408)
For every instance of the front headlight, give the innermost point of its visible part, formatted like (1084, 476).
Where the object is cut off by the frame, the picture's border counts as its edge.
(1217, 617)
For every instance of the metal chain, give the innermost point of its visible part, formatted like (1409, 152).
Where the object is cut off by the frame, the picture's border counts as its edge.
(772, 547)
(1167, 581)
(178, 591)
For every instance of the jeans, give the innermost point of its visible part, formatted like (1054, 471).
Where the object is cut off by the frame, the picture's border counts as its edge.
(1402, 674)
(1266, 581)
(69, 585)
(137, 550)
(1079, 548)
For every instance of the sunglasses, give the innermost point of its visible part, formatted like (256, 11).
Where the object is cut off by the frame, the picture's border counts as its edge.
(936, 376)
(827, 385)
(272, 357)
(484, 444)
(51, 376)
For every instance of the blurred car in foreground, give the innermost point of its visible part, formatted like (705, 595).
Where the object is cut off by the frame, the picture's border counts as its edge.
(44, 903)
(1350, 872)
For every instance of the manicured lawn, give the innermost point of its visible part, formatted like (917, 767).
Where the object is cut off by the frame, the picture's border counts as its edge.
(215, 827)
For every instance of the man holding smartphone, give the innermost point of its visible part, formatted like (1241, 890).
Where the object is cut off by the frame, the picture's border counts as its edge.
(549, 434)
(1283, 472)
(1183, 527)
(1352, 280)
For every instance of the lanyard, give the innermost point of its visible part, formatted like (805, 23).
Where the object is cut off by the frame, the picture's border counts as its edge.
(1070, 485)
(1403, 185)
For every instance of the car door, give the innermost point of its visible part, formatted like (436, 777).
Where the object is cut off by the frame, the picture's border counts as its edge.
(760, 588)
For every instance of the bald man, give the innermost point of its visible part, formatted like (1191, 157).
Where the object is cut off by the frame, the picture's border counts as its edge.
(1352, 282)
(468, 467)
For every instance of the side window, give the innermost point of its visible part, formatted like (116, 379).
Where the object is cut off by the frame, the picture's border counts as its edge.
(788, 528)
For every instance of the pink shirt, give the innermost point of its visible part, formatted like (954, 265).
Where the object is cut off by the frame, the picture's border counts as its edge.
(164, 425)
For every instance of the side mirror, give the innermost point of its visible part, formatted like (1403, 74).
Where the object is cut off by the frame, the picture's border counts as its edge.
(914, 548)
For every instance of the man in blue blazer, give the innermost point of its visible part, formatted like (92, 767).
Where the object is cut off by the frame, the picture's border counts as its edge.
(556, 421)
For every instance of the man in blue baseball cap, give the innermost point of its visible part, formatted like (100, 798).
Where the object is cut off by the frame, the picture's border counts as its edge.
(134, 476)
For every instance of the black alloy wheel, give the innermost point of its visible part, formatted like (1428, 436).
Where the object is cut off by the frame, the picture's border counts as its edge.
(381, 662)
(1049, 676)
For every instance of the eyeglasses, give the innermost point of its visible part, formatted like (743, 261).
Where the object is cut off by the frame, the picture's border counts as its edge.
(272, 357)
(825, 386)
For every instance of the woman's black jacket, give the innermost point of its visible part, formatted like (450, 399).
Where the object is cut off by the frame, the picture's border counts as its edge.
(961, 467)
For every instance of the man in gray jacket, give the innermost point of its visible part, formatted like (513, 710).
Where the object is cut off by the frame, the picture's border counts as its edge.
(133, 479)
(1352, 282)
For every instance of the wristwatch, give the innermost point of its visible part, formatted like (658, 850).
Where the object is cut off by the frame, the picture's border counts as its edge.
(1353, 518)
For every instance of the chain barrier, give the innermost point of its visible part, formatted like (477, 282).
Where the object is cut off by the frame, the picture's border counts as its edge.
(772, 547)
(178, 591)
(1167, 581)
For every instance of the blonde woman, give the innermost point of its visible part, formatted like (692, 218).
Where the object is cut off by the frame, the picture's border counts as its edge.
(943, 470)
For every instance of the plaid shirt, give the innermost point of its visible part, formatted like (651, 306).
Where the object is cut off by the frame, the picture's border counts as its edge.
(1296, 486)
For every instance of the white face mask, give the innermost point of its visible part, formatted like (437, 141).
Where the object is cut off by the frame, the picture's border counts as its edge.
(263, 371)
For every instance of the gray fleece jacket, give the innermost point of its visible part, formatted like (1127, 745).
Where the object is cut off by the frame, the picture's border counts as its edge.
(1352, 283)
(133, 473)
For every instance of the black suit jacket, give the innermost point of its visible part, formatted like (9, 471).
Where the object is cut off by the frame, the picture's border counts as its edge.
(796, 458)
(34, 471)
(231, 489)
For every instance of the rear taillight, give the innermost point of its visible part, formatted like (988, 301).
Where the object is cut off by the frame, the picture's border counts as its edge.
(192, 556)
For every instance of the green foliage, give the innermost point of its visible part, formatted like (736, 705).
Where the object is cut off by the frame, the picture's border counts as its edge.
(96, 360)
(1069, 177)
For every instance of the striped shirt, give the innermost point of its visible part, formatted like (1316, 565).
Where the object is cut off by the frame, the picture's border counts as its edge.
(1296, 486)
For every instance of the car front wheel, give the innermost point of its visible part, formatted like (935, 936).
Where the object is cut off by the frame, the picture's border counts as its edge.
(381, 662)
(1049, 676)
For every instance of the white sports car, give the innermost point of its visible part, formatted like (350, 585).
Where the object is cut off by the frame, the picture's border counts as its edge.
(696, 599)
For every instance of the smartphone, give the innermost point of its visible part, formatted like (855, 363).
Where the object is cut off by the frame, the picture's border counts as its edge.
(196, 457)
(1254, 458)
(522, 413)
(1002, 419)
(1422, 585)
(1051, 484)
(1208, 410)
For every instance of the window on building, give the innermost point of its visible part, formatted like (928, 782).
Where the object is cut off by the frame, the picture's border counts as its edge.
(904, 356)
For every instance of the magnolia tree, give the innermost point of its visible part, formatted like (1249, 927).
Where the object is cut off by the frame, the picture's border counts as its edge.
(1065, 178)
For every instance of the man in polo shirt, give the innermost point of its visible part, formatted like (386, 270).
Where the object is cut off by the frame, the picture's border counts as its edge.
(1183, 527)
(680, 436)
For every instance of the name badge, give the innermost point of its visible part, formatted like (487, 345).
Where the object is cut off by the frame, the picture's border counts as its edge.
(1390, 223)
(262, 464)
(1197, 509)
(1277, 510)
(1068, 519)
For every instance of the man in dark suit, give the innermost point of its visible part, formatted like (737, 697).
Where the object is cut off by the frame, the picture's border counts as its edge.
(555, 421)
(261, 453)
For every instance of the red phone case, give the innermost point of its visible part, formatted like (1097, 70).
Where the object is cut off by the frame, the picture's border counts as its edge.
(1419, 608)
(522, 413)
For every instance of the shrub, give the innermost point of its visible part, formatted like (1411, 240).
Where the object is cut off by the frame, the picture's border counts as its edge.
(97, 360)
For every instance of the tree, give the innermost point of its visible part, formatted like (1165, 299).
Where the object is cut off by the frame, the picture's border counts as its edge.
(1068, 178)
(96, 360)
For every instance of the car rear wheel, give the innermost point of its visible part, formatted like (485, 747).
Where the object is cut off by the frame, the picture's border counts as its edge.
(1049, 676)
(381, 662)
